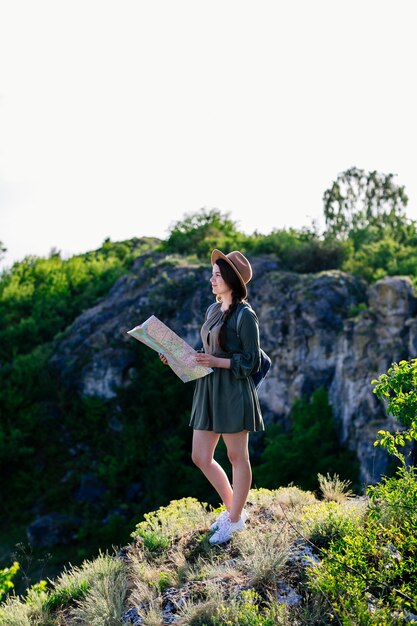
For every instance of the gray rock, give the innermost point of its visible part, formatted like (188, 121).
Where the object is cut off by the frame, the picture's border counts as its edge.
(132, 617)
(52, 529)
(91, 490)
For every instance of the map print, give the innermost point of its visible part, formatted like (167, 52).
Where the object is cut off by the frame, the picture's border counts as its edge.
(179, 354)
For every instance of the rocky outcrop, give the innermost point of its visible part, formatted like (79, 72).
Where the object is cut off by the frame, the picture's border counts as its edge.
(328, 329)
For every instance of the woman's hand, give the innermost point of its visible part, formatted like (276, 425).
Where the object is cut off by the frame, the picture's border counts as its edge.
(163, 359)
(207, 360)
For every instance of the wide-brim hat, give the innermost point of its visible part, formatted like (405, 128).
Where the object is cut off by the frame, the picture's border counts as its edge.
(238, 262)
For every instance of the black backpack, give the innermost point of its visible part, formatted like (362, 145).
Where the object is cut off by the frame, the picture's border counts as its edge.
(259, 375)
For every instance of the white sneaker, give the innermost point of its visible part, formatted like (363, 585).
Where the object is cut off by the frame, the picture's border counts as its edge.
(226, 529)
(224, 514)
(219, 519)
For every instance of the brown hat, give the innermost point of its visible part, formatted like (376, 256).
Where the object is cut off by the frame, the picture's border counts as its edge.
(238, 263)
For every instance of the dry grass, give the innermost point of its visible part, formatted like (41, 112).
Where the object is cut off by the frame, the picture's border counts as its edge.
(14, 613)
(103, 604)
(263, 555)
(190, 579)
(334, 489)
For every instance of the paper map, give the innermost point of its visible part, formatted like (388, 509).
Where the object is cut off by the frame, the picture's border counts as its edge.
(179, 354)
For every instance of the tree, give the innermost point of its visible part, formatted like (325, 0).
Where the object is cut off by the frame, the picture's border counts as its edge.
(358, 199)
(3, 249)
(198, 233)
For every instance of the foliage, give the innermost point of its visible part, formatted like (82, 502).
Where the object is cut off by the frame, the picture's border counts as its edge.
(159, 528)
(246, 610)
(398, 388)
(383, 256)
(303, 250)
(370, 576)
(39, 297)
(325, 523)
(358, 199)
(312, 436)
(93, 594)
(6, 578)
(198, 233)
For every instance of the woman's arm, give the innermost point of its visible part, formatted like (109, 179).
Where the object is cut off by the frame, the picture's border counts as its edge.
(245, 362)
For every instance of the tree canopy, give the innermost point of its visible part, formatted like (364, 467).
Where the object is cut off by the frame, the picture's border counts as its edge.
(358, 199)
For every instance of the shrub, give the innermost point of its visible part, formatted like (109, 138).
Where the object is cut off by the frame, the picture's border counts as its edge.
(370, 575)
(325, 523)
(6, 578)
(247, 610)
(159, 528)
(398, 389)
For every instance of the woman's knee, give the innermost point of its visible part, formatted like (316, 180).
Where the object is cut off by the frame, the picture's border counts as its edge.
(238, 457)
(201, 459)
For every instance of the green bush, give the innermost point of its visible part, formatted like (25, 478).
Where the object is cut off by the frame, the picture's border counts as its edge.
(370, 572)
(160, 528)
(6, 578)
(200, 232)
(249, 610)
(303, 251)
(398, 389)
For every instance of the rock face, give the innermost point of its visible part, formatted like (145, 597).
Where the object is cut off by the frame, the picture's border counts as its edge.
(328, 329)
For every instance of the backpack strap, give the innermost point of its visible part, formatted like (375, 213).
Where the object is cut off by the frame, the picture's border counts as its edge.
(239, 318)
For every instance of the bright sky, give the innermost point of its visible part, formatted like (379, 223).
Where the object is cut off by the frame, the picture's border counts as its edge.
(118, 117)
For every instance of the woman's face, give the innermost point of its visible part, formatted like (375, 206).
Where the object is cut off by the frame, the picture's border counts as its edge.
(218, 284)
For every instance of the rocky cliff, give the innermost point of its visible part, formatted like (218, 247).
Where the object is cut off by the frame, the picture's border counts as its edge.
(329, 329)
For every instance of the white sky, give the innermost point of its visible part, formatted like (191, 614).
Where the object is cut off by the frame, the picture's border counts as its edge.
(119, 117)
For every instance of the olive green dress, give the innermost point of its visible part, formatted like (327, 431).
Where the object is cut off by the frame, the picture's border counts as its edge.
(226, 400)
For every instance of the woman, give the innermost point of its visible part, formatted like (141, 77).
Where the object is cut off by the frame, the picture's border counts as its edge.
(225, 402)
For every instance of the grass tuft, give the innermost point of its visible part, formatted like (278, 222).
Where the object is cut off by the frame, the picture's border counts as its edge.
(334, 489)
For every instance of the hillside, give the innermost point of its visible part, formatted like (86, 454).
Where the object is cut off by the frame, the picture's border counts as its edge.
(302, 560)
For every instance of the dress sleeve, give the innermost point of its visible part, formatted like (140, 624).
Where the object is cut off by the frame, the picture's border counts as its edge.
(243, 363)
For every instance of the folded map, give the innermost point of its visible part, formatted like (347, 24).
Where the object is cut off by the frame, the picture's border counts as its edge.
(179, 354)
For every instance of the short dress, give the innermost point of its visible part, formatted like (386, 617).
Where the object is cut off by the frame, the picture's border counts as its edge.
(226, 401)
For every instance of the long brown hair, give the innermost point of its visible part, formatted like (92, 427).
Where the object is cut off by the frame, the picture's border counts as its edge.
(238, 294)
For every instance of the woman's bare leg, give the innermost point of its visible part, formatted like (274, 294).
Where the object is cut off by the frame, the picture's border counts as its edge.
(238, 453)
(204, 445)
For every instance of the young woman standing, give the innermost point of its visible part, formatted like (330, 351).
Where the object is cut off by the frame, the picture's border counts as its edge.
(226, 402)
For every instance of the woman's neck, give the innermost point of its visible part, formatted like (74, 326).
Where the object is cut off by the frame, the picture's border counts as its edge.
(226, 302)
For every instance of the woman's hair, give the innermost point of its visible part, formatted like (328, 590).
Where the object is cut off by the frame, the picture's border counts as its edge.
(238, 294)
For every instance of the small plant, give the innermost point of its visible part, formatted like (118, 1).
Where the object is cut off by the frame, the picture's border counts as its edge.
(357, 309)
(104, 601)
(263, 555)
(325, 523)
(248, 609)
(6, 578)
(161, 527)
(333, 488)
